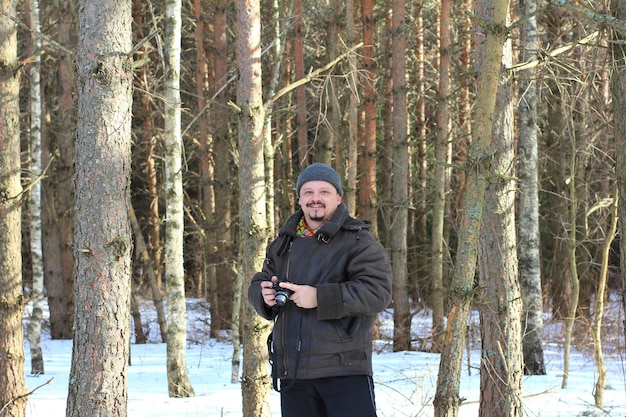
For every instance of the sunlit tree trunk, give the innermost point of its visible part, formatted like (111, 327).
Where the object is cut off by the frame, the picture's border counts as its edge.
(489, 53)
(528, 228)
(178, 382)
(501, 365)
(12, 387)
(253, 220)
(102, 240)
(598, 312)
(36, 317)
(400, 172)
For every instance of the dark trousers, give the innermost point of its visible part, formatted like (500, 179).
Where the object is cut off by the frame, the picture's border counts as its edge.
(342, 396)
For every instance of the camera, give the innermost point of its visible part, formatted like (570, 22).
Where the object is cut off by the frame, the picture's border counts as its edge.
(282, 294)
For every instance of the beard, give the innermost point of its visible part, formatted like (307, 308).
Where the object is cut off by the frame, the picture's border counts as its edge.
(317, 214)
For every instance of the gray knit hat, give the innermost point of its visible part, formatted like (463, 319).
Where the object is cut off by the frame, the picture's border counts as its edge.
(319, 172)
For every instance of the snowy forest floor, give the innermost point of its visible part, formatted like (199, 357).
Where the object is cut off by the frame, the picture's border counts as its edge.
(405, 381)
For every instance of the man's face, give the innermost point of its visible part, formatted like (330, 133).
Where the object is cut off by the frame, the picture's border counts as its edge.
(319, 200)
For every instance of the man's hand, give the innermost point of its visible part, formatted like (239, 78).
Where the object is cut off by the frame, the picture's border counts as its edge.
(304, 296)
(269, 295)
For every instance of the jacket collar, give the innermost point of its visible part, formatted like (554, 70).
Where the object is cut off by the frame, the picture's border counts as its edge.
(327, 231)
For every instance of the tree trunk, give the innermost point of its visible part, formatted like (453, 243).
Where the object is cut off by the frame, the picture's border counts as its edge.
(598, 313)
(330, 132)
(36, 317)
(301, 101)
(489, 54)
(352, 116)
(12, 389)
(58, 187)
(177, 378)
(441, 178)
(501, 365)
(206, 239)
(253, 220)
(528, 228)
(225, 180)
(398, 231)
(618, 89)
(102, 241)
(367, 195)
(420, 277)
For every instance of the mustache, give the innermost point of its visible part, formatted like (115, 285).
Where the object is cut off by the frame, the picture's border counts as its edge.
(320, 203)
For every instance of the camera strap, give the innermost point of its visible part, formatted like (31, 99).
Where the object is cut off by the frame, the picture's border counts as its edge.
(272, 360)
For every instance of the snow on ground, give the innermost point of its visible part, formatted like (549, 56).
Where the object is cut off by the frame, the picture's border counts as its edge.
(405, 381)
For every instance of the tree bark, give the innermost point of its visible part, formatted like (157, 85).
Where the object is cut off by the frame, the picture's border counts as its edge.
(58, 187)
(400, 199)
(598, 312)
(489, 54)
(528, 228)
(12, 389)
(178, 382)
(37, 291)
(301, 101)
(102, 241)
(441, 178)
(367, 195)
(501, 365)
(253, 220)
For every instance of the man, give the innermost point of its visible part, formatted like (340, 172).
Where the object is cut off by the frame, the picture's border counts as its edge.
(339, 279)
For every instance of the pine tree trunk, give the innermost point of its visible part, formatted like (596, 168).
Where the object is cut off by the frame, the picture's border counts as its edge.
(367, 195)
(12, 388)
(301, 101)
(441, 178)
(225, 210)
(330, 137)
(102, 240)
(352, 114)
(36, 317)
(501, 365)
(253, 221)
(398, 231)
(58, 187)
(489, 54)
(528, 228)
(178, 384)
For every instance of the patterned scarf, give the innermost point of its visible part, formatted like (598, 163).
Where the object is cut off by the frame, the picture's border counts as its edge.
(303, 230)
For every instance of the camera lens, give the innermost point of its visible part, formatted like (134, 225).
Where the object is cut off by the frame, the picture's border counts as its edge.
(281, 298)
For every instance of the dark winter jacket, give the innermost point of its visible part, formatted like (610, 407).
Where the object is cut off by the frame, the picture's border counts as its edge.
(351, 272)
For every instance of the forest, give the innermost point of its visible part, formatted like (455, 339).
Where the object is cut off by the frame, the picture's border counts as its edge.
(150, 150)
